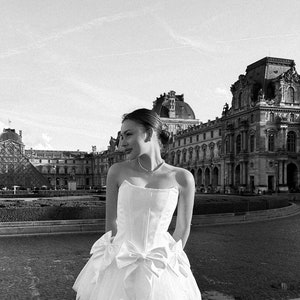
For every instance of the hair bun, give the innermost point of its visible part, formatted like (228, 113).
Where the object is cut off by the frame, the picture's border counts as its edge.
(165, 137)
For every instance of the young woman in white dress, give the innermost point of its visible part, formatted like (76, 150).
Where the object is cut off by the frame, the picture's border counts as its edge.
(137, 259)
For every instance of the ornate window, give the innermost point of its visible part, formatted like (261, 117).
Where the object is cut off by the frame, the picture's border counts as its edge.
(204, 147)
(238, 144)
(212, 148)
(291, 141)
(252, 142)
(178, 157)
(184, 155)
(271, 142)
(292, 117)
(173, 158)
(191, 153)
(290, 95)
(272, 117)
(197, 152)
(227, 145)
(240, 101)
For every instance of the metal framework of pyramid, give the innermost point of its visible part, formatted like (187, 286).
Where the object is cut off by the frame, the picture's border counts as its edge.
(16, 169)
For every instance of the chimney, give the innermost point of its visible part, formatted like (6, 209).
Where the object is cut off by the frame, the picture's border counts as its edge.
(20, 133)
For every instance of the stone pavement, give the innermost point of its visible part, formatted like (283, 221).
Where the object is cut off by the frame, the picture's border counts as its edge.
(258, 261)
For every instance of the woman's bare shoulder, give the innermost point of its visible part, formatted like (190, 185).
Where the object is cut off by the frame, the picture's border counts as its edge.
(119, 166)
(182, 176)
(118, 171)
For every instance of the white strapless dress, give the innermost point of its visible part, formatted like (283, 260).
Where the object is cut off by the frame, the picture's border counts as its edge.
(143, 261)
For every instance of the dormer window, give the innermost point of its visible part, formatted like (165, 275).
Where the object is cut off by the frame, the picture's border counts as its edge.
(290, 95)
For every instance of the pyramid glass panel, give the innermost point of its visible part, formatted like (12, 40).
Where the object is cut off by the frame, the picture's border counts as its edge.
(16, 169)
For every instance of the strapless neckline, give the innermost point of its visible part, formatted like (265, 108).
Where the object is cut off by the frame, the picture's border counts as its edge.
(148, 188)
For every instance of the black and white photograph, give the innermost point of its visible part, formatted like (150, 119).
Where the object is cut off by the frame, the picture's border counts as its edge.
(149, 150)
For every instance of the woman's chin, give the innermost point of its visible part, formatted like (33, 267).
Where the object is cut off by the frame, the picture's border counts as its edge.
(131, 156)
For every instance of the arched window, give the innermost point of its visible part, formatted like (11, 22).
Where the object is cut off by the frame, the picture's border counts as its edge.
(291, 141)
(240, 100)
(238, 144)
(252, 142)
(204, 147)
(227, 145)
(290, 95)
(271, 142)
(184, 155)
(191, 153)
(212, 148)
(173, 158)
(272, 117)
(178, 157)
(197, 152)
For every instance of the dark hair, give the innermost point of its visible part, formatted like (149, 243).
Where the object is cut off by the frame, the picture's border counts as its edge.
(149, 119)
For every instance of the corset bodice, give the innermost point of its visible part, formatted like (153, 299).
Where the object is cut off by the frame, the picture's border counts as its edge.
(144, 214)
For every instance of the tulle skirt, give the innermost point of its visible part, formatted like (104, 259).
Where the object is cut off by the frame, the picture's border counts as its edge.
(122, 272)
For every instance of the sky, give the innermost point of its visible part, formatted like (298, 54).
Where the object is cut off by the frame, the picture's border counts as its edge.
(69, 69)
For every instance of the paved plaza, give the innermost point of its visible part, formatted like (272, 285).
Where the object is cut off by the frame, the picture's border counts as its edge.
(244, 261)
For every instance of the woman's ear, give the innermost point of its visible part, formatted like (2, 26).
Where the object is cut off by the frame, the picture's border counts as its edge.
(149, 133)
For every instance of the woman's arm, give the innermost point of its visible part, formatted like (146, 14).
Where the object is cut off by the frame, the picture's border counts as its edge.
(185, 206)
(112, 189)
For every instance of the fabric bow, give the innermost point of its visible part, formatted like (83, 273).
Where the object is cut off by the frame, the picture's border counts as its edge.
(141, 266)
(103, 253)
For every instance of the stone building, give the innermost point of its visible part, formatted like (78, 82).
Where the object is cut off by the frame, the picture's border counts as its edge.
(198, 149)
(255, 144)
(174, 112)
(16, 171)
(176, 116)
(64, 169)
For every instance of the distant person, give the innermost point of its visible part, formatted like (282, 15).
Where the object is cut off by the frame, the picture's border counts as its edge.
(137, 259)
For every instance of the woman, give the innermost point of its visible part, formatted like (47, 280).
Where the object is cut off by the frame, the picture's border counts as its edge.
(137, 259)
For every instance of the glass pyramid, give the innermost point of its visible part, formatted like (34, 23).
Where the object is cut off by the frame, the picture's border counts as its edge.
(16, 169)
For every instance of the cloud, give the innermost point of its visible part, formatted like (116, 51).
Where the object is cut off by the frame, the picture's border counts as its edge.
(223, 92)
(42, 42)
(103, 99)
(195, 43)
(277, 36)
(142, 51)
(44, 143)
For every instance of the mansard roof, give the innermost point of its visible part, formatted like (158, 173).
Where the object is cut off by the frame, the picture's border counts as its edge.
(271, 60)
(182, 109)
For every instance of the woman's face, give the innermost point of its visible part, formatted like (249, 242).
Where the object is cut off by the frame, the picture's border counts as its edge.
(133, 138)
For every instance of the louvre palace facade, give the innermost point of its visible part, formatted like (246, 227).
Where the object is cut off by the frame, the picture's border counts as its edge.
(253, 146)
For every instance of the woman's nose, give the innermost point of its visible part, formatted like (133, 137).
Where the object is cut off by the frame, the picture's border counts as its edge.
(122, 143)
